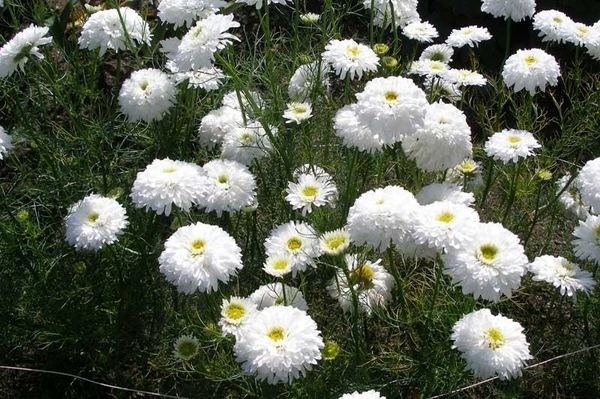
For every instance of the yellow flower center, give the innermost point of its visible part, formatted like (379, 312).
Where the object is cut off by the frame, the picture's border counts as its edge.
(445, 217)
(144, 85)
(583, 30)
(235, 311)
(222, 179)
(487, 253)
(335, 242)
(353, 52)
(557, 20)
(436, 66)
(246, 138)
(281, 264)
(512, 139)
(530, 60)
(390, 96)
(310, 191)
(294, 244)
(276, 334)
(299, 109)
(363, 277)
(197, 247)
(169, 169)
(93, 217)
(467, 167)
(495, 338)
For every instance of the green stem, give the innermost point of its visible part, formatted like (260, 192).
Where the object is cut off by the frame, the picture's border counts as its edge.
(488, 181)
(513, 190)
(535, 214)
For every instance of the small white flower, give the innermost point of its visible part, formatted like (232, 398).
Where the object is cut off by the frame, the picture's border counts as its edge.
(245, 143)
(553, 25)
(570, 197)
(468, 36)
(565, 275)
(311, 190)
(259, 3)
(587, 239)
(15, 53)
(465, 77)
(297, 112)
(438, 52)
(147, 95)
(298, 240)
(531, 70)
(420, 31)
(235, 313)
(588, 183)
(347, 57)
(204, 78)
(183, 12)
(335, 242)
(278, 265)
(510, 145)
(429, 68)
(310, 18)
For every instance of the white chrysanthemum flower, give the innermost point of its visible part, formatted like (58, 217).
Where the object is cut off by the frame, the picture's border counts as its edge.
(354, 130)
(297, 240)
(280, 344)
(114, 29)
(510, 145)
(369, 280)
(347, 57)
(517, 10)
(229, 186)
(246, 143)
(259, 3)
(147, 95)
(580, 34)
(393, 107)
(491, 345)
(465, 77)
(94, 222)
(165, 183)
(443, 141)
(278, 265)
(15, 52)
(278, 294)
(311, 190)
(438, 52)
(381, 216)
(405, 12)
(186, 347)
(468, 36)
(489, 264)
(297, 112)
(593, 42)
(429, 68)
(587, 239)
(450, 192)
(235, 313)
(335, 242)
(204, 78)
(305, 78)
(5, 142)
(530, 70)
(563, 274)
(310, 18)
(197, 47)
(444, 224)
(588, 183)
(184, 12)
(215, 125)
(570, 197)
(467, 173)
(371, 394)
(198, 257)
(554, 26)
(420, 31)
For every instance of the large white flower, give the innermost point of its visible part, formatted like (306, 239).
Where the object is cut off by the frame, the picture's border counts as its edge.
(311, 189)
(468, 36)
(147, 95)
(229, 186)
(553, 25)
(443, 141)
(15, 53)
(165, 183)
(420, 31)
(183, 12)
(347, 57)
(335, 242)
(278, 294)
(587, 239)
(235, 313)
(465, 77)
(215, 125)
(279, 344)
(94, 222)
(517, 10)
(588, 183)
(489, 264)
(115, 29)
(491, 345)
(437, 52)
(355, 131)
(198, 257)
(369, 280)
(563, 274)
(305, 78)
(531, 70)
(5, 142)
(510, 145)
(298, 240)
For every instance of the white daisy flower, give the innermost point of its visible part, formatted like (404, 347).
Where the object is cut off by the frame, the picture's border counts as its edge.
(468, 36)
(204, 78)
(114, 29)
(465, 77)
(580, 34)
(94, 222)
(278, 265)
(468, 171)
(297, 112)
(311, 190)
(443, 141)
(510, 145)
(147, 95)
(278, 294)
(246, 143)
(554, 26)
(186, 347)
(437, 52)
(564, 275)
(198, 257)
(450, 192)
(369, 280)
(491, 345)
(588, 183)
(5, 142)
(305, 78)
(489, 264)
(570, 197)
(215, 125)
(280, 344)
(335, 242)
(184, 12)
(355, 131)
(235, 313)
(530, 70)
(165, 183)
(228, 187)
(298, 240)
(517, 10)
(420, 31)
(587, 239)
(347, 57)
(593, 43)
(15, 53)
